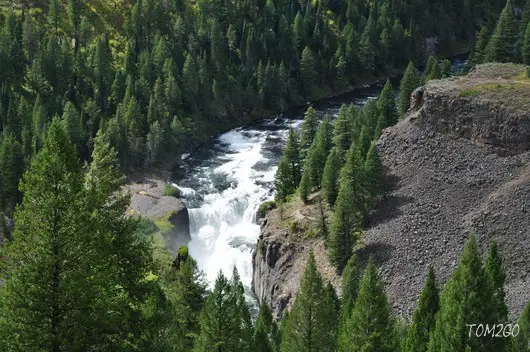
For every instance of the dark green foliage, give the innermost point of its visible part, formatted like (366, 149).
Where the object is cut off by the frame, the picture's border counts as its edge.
(330, 177)
(371, 326)
(351, 275)
(347, 217)
(172, 191)
(318, 152)
(305, 186)
(519, 343)
(309, 128)
(423, 320)
(289, 170)
(63, 213)
(526, 46)
(501, 46)
(386, 105)
(409, 82)
(343, 131)
(446, 68)
(495, 272)
(312, 322)
(225, 320)
(466, 298)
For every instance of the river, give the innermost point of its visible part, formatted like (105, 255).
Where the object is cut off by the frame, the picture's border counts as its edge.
(227, 179)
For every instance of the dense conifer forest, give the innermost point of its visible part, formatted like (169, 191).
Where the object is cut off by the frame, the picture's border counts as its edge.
(92, 90)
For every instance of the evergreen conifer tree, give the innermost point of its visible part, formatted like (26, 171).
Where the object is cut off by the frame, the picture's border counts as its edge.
(371, 325)
(386, 105)
(351, 277)
(526, 46)
(501, 45)
(409, 82)
(519, 343)
(309, 129)
(423, 319)
(466, 298)
(312, 321)
(330, 176)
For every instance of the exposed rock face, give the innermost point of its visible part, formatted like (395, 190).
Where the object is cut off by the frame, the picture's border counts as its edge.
(147, 199)
(459, 163)
(282, 253)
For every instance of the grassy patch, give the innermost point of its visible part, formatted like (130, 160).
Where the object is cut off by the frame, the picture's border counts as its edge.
(469, 93)
(171, 191)
(163, 223)
(264, 208)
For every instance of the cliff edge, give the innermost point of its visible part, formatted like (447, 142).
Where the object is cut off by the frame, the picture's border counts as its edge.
(458, 163)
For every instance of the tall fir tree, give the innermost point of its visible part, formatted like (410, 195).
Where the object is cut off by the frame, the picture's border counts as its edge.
(465, 299)
(371, 326)
(330, 176)
(409, 82)
(519, 343)
(312, 321)
(423, 319)
(309, 129)
(386, 105)
(502, 42)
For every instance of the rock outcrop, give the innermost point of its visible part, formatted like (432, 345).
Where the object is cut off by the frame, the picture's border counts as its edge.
(287, 235)
(148, 199)
(459, 163)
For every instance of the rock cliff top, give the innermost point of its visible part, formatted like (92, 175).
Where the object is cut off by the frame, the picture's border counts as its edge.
(458, 163)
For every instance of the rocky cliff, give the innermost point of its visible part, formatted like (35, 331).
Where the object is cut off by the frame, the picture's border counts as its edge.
(459, 163)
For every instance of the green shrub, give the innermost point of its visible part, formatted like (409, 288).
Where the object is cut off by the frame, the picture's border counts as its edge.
(469, 93)
(146, 227)
(264, 208)
(171, 191)
(293, 226)
(183, 252)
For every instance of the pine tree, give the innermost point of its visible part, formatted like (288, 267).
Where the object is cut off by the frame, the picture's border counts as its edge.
(351, 277)
(431, 62)
(225, 319)
(479, 54)
(526, 46)
(466, 298)
(446, 68)
(283, 182)
(348, 209)
(73, 126)
(318, 152)
(409, 82)
(343, 131)
(308, 72)
(386, 105)
(501, 45)
(305, 185)
(371, 326)
(373, 170)
(312, 321)
(495, 271)
(264, 330)
(519, 343)
(330, 176)
(423, 319)
(309, 128)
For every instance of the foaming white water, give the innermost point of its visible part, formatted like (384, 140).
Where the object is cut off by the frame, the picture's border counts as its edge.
(223, 228)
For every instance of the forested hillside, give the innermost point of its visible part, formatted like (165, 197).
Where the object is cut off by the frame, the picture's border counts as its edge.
(160, 77)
